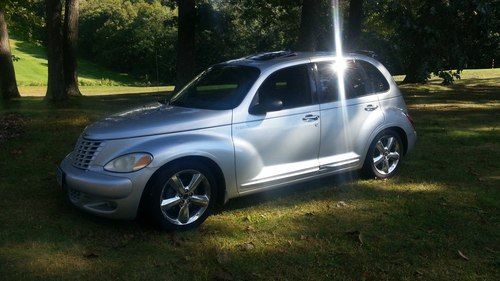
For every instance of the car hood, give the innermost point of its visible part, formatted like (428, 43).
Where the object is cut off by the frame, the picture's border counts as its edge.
(154, 119)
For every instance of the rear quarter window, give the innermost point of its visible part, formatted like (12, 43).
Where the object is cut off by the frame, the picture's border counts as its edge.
(361, 78)
(375, 80)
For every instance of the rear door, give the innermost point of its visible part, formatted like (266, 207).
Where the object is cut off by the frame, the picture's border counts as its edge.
(347, 120)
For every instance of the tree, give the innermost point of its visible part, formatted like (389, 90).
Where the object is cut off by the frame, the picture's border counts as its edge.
(310, 26)
(185, 64)
(8, 84)
(354, 23)
(70, 48)
(55, 85)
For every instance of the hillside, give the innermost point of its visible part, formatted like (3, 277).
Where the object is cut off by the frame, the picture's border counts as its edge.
(30, 63)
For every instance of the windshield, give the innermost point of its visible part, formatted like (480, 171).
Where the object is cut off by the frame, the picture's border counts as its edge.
(219, 87)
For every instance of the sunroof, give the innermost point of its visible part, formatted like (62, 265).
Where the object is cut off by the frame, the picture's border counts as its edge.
(271, 55)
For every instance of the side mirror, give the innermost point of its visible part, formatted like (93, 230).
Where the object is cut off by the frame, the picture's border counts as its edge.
(267, 106)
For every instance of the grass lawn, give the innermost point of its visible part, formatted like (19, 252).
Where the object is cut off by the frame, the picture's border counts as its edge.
(439, 219)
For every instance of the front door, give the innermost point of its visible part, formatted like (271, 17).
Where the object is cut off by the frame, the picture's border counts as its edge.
(276, 147)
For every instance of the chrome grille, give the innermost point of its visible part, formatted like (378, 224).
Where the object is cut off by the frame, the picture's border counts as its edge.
(85, 152)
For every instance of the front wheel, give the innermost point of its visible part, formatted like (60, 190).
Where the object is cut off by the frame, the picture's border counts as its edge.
(181, 196)
(384, 155)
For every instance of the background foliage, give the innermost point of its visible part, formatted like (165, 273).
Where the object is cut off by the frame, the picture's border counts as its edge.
(412, 37)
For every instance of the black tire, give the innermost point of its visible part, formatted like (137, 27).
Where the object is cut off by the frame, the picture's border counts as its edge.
(154, 192)
(370, 169)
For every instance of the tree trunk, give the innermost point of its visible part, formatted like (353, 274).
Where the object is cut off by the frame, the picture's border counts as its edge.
(416, 70)
(186, 42)
(354, 23)
(70, 48)
(309, 26)
(8, 84)
(55, 85)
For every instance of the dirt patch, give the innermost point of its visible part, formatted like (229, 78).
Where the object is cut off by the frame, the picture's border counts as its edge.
(11, 126)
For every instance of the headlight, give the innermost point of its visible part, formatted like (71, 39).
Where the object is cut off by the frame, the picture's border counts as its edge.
(129, 162)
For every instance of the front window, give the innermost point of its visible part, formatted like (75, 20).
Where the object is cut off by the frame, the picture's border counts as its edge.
(290, 85)
(217, 88)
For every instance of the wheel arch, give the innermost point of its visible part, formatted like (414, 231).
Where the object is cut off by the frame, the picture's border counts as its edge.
(398, 129)
(402, 135)
(213, 166)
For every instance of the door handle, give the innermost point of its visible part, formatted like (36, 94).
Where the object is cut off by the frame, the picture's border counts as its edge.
(310, 118)
(371, 107)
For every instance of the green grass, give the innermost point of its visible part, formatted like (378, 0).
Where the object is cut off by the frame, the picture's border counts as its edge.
(444, 200)
(30, 65)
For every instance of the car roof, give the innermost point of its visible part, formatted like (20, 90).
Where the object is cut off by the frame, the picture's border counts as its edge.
(268, 60)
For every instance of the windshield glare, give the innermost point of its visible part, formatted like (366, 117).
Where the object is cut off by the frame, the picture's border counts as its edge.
(218, 88)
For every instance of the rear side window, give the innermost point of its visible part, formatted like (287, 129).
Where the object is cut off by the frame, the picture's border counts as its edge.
(375, 81)
(290, 85)
(360, 79)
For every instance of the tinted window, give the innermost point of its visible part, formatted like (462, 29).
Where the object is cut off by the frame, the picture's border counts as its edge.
(327, 82)
(360, 78)
(290, 85)
(220, 87)
(376, 81)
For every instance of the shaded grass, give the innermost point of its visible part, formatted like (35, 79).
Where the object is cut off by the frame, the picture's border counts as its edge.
(444, 200)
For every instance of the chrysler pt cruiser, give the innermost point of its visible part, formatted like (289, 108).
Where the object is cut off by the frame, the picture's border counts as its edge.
(240, 127)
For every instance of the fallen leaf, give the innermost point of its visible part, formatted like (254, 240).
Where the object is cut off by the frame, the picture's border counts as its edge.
(341, 204)
(246, 246)
(90, 255)
(462, 255)
(223, 257)
(360, 238)
(257, 275)
(490, 250)
(223, 275)
(176, 240)
(249, 229)
(357, 234)
(16, 152)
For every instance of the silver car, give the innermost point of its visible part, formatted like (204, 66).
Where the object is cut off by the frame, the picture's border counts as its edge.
(240, 127)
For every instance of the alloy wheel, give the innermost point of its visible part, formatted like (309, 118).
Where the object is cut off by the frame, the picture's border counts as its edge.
(386, 154)
(185, 197)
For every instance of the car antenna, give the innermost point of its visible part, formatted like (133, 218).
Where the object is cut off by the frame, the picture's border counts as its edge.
(158, 95)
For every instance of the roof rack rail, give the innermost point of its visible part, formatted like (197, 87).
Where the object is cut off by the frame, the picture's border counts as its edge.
(368, 53)
(271, 55)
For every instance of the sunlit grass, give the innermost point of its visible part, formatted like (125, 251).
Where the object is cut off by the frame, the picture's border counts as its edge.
(40, 91)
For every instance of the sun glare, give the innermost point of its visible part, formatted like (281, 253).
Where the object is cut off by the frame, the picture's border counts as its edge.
(339, 66)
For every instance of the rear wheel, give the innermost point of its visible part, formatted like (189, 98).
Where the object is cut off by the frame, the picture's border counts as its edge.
(181, 196)
(384, 155)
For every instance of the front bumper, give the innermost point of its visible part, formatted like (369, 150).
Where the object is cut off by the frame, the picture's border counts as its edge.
(99, 193)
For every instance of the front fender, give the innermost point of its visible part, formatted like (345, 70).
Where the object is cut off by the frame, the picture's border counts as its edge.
(213, 143)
